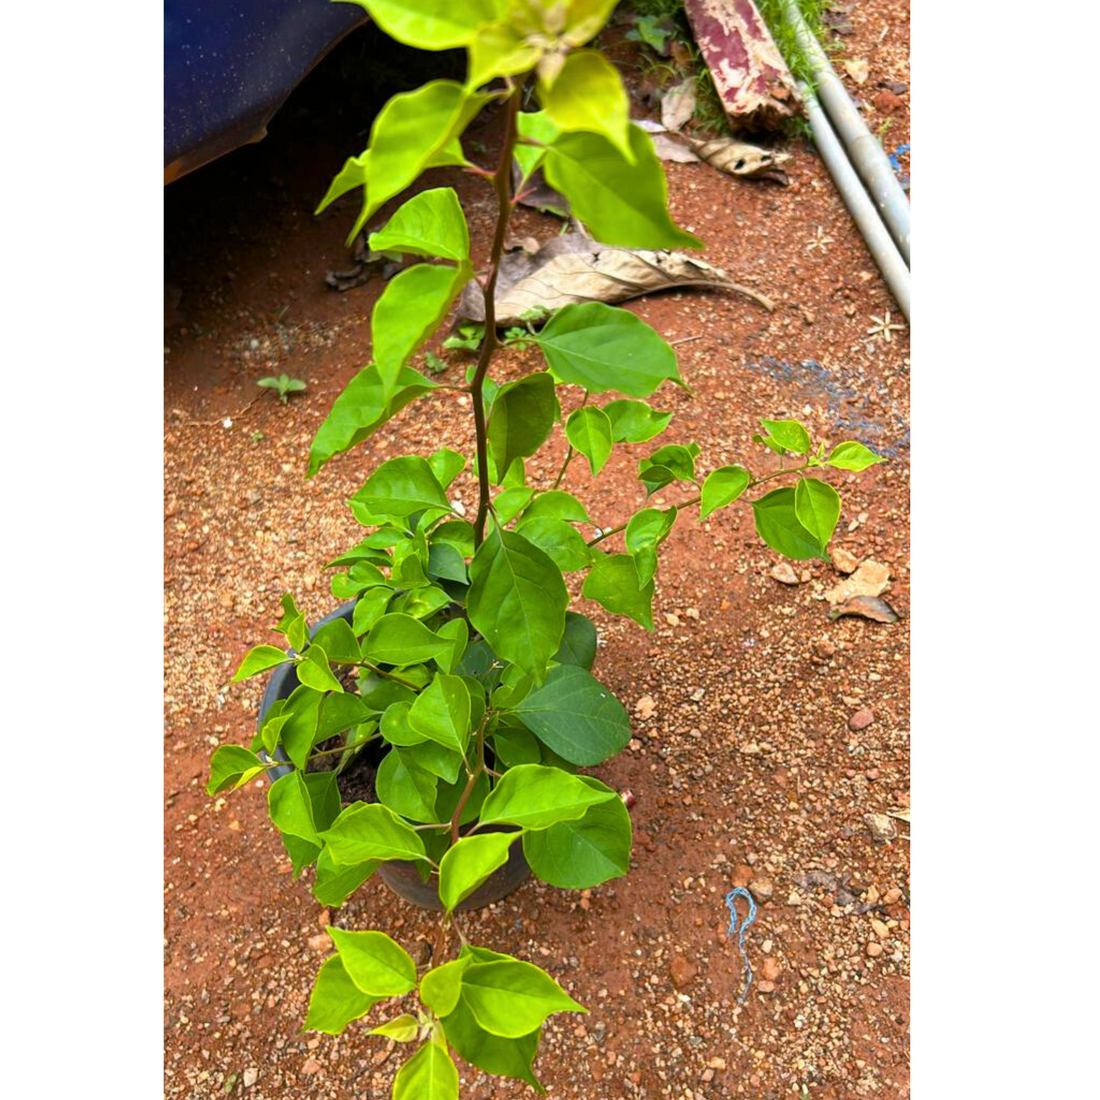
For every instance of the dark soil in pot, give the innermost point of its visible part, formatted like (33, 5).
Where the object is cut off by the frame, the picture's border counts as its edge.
(356, 784)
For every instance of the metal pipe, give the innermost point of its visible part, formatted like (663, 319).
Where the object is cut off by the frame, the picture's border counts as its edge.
(879, 242)
(865, 152)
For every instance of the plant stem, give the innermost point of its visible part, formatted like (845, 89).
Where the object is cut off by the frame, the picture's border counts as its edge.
(478, 769)
(382, 672)
(502, 179)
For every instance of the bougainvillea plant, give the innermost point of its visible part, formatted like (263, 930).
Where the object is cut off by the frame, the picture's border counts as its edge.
(462, 672)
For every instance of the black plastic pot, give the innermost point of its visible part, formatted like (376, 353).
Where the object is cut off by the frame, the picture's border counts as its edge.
(401, 876)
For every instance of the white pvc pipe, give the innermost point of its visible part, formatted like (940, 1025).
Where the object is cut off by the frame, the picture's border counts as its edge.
(879, 242)
(863, 149)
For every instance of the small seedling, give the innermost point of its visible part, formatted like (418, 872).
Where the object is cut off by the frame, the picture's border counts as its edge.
(433, 363)
(468, 338)
(257, 437)
(284, 385)
(653, 30)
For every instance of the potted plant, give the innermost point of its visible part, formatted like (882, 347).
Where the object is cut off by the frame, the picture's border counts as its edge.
(433, 728)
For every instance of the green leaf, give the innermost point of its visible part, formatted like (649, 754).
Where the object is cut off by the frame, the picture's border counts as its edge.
(446, 465)
(361, 410)
(514, 745)
(402, 486)
(521, 418)
(588, 95)
(334, 884)
(469, 863)
(535, 126)
(369, 608)
(459, 633)
(644, 534)
(517, 601)
(410, 309)
(441, 987)
(374, 962)
(428, 1075)
(602, 347)
(259, 659)
(557, 504)
(575, 855)
(584, 19)
(851, 455)
(534, 796)
(432, 757)
(558, 540)
(363, 832)
(401, 640)
(441, 712)
(394, 725)
(314, 671)
(336, 1000)
(635, 421)
(817, 506)
(406, 789)
(511, 502)
(579, 718)
(613, 583)
(429, 224)
(589, 430)
(402, 1029)
(340, 713)
(578, 644)
(788, 434)
(231, 767)
(498, 50)
(491, 1053)
(619, 202)
(432, 24)
(457, 533)
(778, 525)
(722, 486)
(513, 998)
(291, 808)
(298, 734)
(338, 641)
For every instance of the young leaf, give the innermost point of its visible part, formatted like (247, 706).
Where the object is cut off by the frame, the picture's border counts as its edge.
(374, 962)
(314, 671)
(432, 24)
(362, 409)
(231, 767)
(259, 659)
(410, 309)
(817, 506)
(446, 465)
(441, 712)
(336, 1000)
(589, 95)
(498, 50)
(576, 855)
(491, 1053)
(576, 716)
(363, 832)
(402, 486)
(369, 608)
(778, 525)
(429, 224)
(645, 532)
(635, 421)
(619, 202)
(517, 601)
(534, 796)
(429, 1074)
(559, 540)
(789, 434)
(851, 455)
(722, 486)
(441, 987)
(521, 418)
(334, 884)
(613, 583)
(513, 998)
(535, 126)
(602, 347)
(406, 789)
(469, 863)
(588, 429)
(584, 19)
(402, 1029)
(556, 504)
(511, 502)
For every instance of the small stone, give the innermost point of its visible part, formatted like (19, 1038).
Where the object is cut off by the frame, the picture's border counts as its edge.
(683, 972)
(794, 898)
(249, 1076)
(672, 619)
(320, 942)
(766, 986)
(844, 561)
(872, 578)
(886, 102)
(874, 949)
(881, 826)
(742, 875)
(879, 928)
(771, 969)
(762, 889)
(645, 707)
(861, 719)
(312, 1066)
(708, 1075)
(892, 896)
(324, 918)
(784, 573)
(716, 1063)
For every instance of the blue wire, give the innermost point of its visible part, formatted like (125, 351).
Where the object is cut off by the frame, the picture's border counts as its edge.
(900, 151)
(739, 932)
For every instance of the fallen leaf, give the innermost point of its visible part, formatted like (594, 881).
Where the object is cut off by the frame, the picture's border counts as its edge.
(574, 268)
(867, 607)
(901, 815)
(871, 579)
(668, 148)
(856, 68)
(739, 158)
(678, 105)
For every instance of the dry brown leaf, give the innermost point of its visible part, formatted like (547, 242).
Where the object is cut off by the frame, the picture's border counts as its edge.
(669, 148)
(678, 105)
(739, 158)
(856, 68)
(867, 607)
(574, 268)
(871, 579)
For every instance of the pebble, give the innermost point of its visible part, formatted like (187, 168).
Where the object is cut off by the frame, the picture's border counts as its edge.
(879, 928)
(645, 707)
(742, 875)
(766, 986)
(683, 972)
(861, 719)
(762, 889)
(892, 896)
(844, 560)
(312, 1066)
(874, 949)
(771, 969)
(249, 1076)
(881, 826)
(784, 573)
